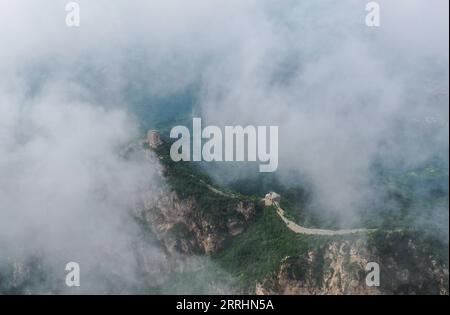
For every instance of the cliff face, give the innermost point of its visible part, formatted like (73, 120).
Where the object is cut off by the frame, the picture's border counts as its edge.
(184, 228)
(338, 268)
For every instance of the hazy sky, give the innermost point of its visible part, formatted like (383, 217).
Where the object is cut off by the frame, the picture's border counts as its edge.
(341, 93)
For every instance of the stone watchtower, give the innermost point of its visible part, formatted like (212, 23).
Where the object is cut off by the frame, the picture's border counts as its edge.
(154, 138)
(271, 197)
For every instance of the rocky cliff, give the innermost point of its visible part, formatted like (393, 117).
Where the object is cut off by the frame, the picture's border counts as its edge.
(184, 227)
(338, 268)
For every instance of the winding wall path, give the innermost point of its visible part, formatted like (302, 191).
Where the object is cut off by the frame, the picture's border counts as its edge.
(302, 230)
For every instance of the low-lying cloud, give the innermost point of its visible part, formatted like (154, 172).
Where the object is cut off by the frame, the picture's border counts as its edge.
(343, 95)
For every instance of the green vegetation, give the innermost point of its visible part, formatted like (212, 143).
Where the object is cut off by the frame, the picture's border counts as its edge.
(190, 182)
(412, 252)
(412, 199)
(404, 199)
(402, 245)
(257, 185)
(251, 256)
(257, 253)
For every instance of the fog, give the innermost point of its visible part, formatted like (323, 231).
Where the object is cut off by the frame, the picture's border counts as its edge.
(342, 94)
